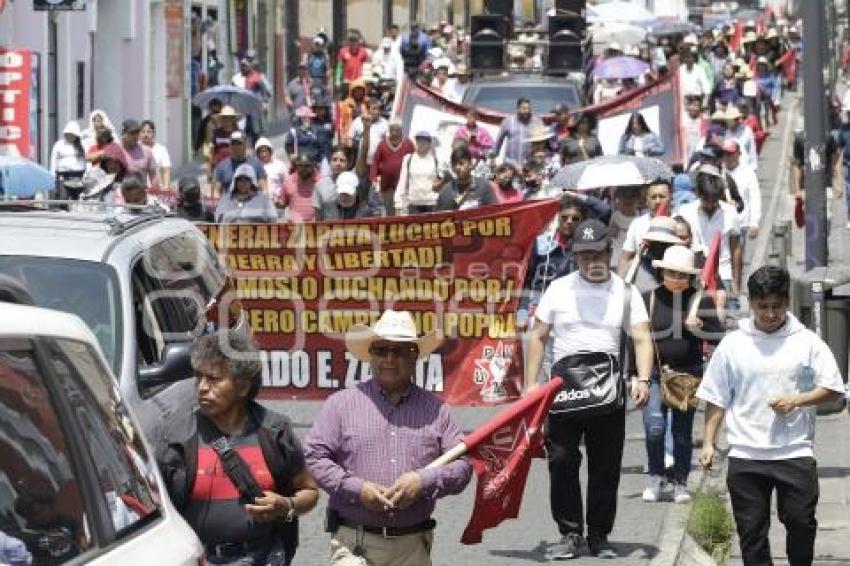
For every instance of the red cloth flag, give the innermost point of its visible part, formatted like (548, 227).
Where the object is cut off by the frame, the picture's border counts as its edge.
(501, 452)
(663, 209)
(735, 40)
(788, 62)
(712, 267)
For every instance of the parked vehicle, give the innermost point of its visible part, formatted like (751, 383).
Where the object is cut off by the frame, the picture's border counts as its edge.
(78, 482)
(143, 282)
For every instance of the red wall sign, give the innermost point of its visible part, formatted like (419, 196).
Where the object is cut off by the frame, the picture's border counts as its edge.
(15, 74)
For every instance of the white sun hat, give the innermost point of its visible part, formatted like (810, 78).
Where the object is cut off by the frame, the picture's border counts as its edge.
(393, 326)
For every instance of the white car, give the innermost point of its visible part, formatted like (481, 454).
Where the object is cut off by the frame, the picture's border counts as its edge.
(78, 482)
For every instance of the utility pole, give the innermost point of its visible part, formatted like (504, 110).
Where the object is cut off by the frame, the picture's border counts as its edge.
(815, 125)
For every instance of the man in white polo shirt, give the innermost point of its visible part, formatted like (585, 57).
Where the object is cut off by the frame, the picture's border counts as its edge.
(711, 215)
(766, 379)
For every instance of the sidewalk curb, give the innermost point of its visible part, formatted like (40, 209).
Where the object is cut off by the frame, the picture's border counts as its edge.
(763, 240)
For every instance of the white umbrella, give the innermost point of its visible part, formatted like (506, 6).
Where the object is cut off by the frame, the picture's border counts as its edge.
(611, 171)
(619, 32)
(597, 176)
(619, 11)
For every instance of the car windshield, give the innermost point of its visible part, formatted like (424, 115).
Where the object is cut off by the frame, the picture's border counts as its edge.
(86, 289)
(502, 98)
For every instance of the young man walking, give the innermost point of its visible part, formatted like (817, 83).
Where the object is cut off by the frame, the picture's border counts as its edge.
(766, 379)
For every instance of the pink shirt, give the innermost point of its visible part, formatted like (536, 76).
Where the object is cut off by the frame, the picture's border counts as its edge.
(298, 197)
(479, 145)
(140, 159)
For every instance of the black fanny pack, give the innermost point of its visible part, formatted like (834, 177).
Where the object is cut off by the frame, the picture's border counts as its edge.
(592, 385)
(594, 382)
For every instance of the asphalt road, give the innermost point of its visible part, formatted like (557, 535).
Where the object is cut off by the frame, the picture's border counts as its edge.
(516, 542)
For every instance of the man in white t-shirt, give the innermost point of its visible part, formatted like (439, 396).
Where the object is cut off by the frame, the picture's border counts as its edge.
(766, 379)
(747, 182)
(378, 128)
(710, 215)
(658, 199)
(584, 312)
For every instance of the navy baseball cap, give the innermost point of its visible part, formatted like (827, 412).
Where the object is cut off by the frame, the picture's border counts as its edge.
(591, 236)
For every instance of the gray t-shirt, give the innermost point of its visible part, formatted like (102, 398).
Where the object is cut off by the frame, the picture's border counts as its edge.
(256, 208)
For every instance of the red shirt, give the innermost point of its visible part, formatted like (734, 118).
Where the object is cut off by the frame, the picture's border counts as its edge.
(387, 163)
(298, 197)
(352, 63)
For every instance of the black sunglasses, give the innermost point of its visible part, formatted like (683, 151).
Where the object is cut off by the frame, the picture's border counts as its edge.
(398, 350)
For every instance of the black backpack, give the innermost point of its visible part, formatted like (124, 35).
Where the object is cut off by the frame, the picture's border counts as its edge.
(268, 434)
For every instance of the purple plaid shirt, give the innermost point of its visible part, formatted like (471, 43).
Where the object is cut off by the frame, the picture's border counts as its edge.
(359, 436)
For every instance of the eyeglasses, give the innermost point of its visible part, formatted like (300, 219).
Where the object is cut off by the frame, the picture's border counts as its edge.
(400, 350)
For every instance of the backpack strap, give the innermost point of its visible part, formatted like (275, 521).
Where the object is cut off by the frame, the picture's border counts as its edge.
(268, 439)
(624, 336)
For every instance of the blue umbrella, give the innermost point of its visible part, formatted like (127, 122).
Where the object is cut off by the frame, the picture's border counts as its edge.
(620, 68)
(21, 178)
(241, 99)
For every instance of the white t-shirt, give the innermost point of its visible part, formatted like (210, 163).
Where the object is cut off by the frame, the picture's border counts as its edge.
(724, 221)
(748, 187)
(160, 155)
(637, 230)
(377, 131)
(276, 171)
(585, 316)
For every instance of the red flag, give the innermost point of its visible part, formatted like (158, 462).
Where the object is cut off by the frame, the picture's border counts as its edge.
(735, 41)
(788, 63)
(712, 266)
(663, 209)
(501, 452)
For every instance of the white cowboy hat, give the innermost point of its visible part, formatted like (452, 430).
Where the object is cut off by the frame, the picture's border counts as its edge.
(677, 258)
(662, 229)
(393, 326)
(539, 134)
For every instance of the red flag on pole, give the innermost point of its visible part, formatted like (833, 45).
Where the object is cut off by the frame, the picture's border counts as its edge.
(663, 209)
(788, 63)
(712, 266)
(501, 452)
(735, 41)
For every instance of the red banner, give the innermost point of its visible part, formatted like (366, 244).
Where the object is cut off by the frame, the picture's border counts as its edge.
(660, 102)
(303, 285)
(15, 76)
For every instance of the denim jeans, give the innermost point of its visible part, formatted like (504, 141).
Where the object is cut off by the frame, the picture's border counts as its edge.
(655, 415)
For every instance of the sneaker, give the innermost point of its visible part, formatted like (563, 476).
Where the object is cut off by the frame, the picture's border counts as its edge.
(600, 547)
(652, 493)
(568, 547)
(680, 494)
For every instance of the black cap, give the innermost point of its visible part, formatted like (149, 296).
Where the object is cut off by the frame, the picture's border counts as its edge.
(131, 126)
(188, 183)
(591, 236)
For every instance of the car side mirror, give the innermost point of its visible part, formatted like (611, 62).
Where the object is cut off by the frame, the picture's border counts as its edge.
(175, 366)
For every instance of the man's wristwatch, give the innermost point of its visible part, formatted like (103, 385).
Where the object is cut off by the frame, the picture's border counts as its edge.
(291, 514)
(644, 380)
